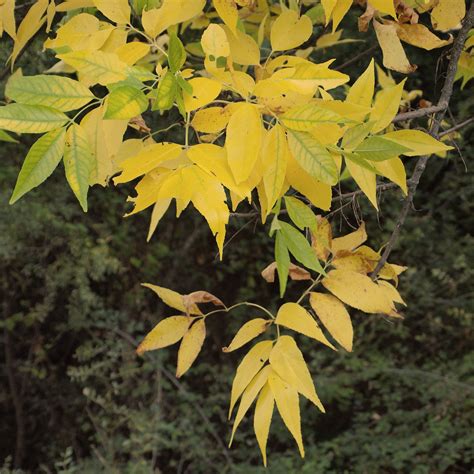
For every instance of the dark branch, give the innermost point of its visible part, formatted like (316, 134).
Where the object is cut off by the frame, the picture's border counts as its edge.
(443, 103)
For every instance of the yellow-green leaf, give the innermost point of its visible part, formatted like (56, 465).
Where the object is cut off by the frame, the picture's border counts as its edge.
(263, 418)
(335, 318)
(350, 241)
(214, 41)
(305, 117)
(165, 333)
(125, 102)
(362, 91)
(159, 210)
(60, 93)
(98, 67)
(295, 317)
(248, 368)
(393, 170)
(24, 118)
(418, 142)
(313, 157)
(287, 401)
(384, 6)
(190, 347)
(290, 31)
(287, 361)
(365, 179)
(227, 10)
(250, 330)
(78, 162)
(387, 103)
(42, 159)
(172, 299)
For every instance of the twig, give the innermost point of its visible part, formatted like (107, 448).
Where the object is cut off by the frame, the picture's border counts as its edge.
(356, 58)
(443, 102)
(418, 113)
(456, 127)
(380, 187)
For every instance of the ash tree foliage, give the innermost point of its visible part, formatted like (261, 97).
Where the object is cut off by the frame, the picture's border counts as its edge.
(262, 121)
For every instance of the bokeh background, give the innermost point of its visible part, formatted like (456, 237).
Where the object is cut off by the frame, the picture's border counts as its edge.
(74, 397)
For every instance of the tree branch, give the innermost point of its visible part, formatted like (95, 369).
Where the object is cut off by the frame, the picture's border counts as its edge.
(456, 127)
(443, 103)
(418, 113)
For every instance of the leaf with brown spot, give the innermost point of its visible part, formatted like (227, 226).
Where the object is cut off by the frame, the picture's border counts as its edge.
(197, 297)
(295, 273)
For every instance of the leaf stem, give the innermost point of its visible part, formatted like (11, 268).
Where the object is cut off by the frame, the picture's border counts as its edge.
(243, 303)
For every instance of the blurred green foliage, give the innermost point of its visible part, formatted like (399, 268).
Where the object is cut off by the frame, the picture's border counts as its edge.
(74, 397)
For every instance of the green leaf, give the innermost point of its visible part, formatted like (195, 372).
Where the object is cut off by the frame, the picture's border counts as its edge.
(300, 213)
(23, 118)
(5, 137)
(166, 92)
(60, 93)
(282, 258)
(313, 157)
(305, 117)
(78, 162)
(125, 102)
(358, 160)
(379, 149)
(300, 247)
(176, 54)
(185, 85)
(42, 159)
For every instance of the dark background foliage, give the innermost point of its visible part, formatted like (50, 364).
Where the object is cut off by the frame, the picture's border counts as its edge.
(74, 397)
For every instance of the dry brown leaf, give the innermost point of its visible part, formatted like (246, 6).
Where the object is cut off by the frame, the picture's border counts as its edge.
(295, 273)
(197, 297)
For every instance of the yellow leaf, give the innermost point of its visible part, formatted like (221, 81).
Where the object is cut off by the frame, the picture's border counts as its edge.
(165, 333)
(318, 193)
(391, 292)
(394, 56)
(362, 91)
(419, 142)
(339, 12)
(214, 41)
(190, 346)
(147, 159)
(287, 401)
(386, 106)
(244, 49)
(365, 179)
(393, 170)
(328, 7)
(321, 240)
(211, 120)
(159, 210)
(105, 138)
(132, 52)
(447, 14)
(243, 140)
(204, 91)
(358, 291)
(7, 18)
(263, 418)
(295, 317)
(287, 361)
(275, 153)
(248, 397)
(248, 368)
(350, 241)
(227, 10)
(419, 35)
(250, 330)
(335, 318)
(290, 31)
(171, 12)
(31, 23)
(384, 6)
(172, 298)
(116, 10)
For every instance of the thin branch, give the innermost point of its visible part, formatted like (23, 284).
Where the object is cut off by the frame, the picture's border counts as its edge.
(356, 58)
(443, 102)
(418, 113)
(456, 127)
